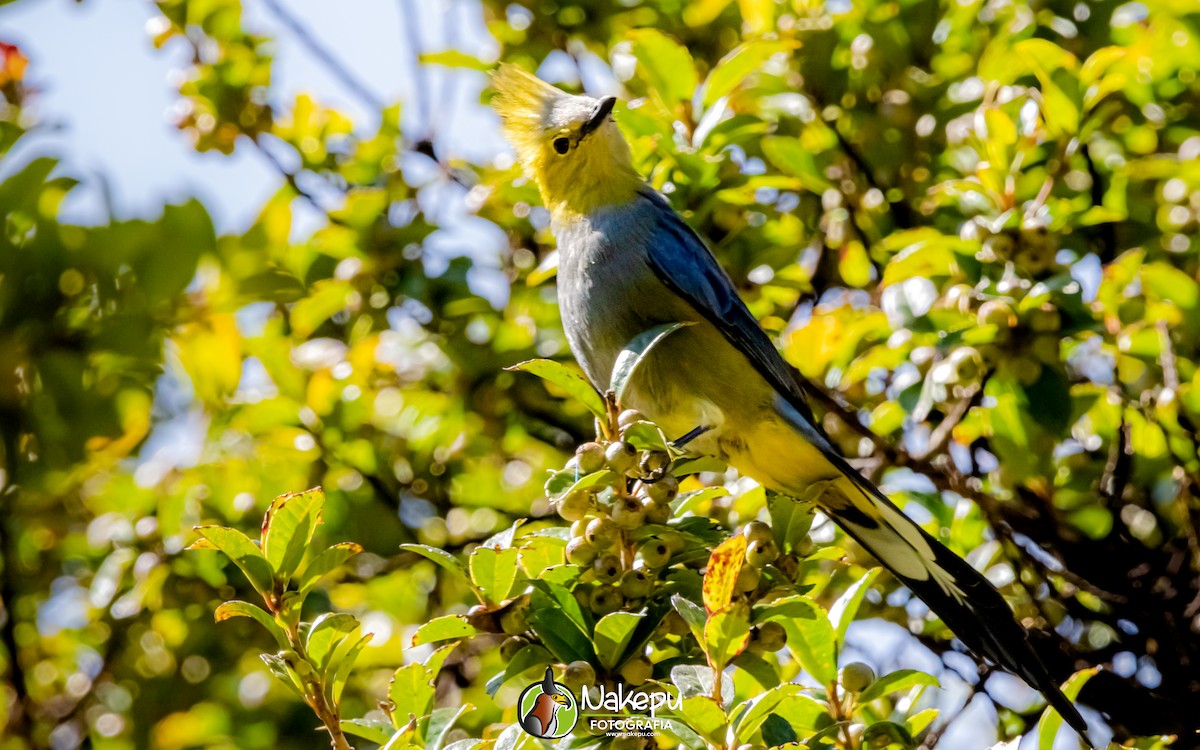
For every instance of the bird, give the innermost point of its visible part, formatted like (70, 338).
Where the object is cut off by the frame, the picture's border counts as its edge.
(628, 263)
(542, 718)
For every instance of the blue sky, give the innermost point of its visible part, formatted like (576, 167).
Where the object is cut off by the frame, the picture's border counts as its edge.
(105, 94)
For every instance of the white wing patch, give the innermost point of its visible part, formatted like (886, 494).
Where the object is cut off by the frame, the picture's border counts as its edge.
(896, 541)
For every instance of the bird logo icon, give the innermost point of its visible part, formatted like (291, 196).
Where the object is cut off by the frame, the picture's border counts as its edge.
(547, 709)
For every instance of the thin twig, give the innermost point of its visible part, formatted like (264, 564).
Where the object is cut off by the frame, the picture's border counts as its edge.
(293, 182)
(335, 66)
(941, 434)
(408, 15)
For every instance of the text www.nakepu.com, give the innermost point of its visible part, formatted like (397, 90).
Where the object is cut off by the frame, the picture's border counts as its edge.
(617, 726)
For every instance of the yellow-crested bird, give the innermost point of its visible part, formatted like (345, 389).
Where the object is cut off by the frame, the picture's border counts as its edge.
(628, 263)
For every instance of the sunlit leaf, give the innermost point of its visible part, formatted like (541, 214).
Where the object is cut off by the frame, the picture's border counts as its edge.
(665, 64)
(894, 682)
(243, 552)
(722, 571)
(575, 385)
(494, 571)
(444, 628)
(288, 527)
(244, 609)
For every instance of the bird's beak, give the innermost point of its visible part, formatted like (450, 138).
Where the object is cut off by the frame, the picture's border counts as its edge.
(599, 114)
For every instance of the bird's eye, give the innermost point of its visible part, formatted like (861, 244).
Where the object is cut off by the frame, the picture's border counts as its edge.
(562, 145)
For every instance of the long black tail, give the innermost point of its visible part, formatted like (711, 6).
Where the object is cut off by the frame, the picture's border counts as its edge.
(964, 599)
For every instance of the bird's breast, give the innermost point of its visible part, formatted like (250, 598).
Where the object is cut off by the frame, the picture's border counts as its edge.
(608, 295)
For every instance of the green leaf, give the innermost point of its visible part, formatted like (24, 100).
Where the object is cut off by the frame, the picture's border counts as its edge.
(646, 436)
(288, 528)
(557, 624)
(792, 158)
(441, 721)
(732, 69)
(541, 552)
(547, 593)
(411, 690)
(243, 552)
(1050, 400)
(258, 614)
(791, 520)
(189, 228)
(328, 297)
(439, 556)
(697, 679)
(526, 659)
(705, 717)
(444, 628)
(494, 571)
(1058, 73)
(894, 682)
(403, 739)
(813, 643)
(693, 614)
(284, 673)
(777, 731)
(785, 608)
(727, 633)
(886, 734)
(453, 58)
(665, 65)
(1051, 721)
(573, 383)
(595, 479)
(323, 637)
(635, 352)
(612, 635)
(1167, 283)
(842, 613)
(324, 564)
(755, 710)
(371, 730)
(918, 722)
(338, 672)
(435, 661)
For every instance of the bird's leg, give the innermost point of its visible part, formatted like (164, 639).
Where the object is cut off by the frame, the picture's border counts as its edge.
(697, 432)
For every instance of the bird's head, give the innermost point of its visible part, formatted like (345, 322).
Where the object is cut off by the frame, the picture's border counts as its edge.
(569, 145)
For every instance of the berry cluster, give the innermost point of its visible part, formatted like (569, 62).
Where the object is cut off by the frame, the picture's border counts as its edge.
(635, 546)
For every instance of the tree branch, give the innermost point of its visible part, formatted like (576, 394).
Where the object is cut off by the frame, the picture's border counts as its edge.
(335, 66)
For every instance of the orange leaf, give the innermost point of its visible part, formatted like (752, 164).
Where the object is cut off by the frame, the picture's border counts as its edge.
(723, 568)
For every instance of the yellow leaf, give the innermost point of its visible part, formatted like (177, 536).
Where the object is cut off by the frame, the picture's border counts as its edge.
(759, 15)
(810, 348)
(723, 568)
(211, 353)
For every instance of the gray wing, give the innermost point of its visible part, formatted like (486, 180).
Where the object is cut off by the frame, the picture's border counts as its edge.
(681, 260)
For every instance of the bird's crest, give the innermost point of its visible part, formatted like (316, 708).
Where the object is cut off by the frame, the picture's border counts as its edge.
(548, 686)
(568, 144)
(525, 104)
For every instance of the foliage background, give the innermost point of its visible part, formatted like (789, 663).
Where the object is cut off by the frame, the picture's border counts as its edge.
(874, 176)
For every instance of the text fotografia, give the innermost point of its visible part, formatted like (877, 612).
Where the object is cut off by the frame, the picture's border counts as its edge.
(619, 701)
